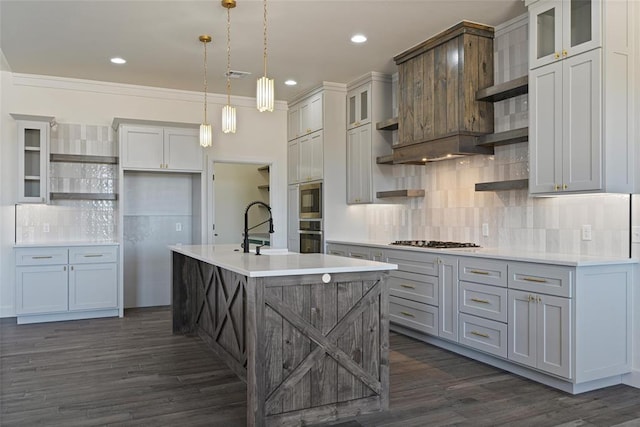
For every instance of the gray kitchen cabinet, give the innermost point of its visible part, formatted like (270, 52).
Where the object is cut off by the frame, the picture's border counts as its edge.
(305, 116)
(311, 157)
(564, 324)
(149, 147)
(540, 332)
(33, 153)
(55, 283)
(581, 132)
(293, 161)
(561, 29)
(368, 101)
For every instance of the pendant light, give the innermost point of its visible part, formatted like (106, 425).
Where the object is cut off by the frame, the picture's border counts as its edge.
(205, 128)
(228, 112)
(264, 87)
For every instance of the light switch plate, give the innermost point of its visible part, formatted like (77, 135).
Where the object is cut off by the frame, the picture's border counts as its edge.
(45, 228)
(586, 232)
(178, 226)
(485, 230)
(635, 234)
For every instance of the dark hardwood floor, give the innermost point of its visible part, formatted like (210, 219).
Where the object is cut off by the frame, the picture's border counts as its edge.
(133, 371)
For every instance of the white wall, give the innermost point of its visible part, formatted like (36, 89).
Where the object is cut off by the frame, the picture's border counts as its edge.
(261, 137)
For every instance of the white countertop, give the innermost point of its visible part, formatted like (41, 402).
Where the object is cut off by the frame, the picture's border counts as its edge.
(509, 255)
(288, 264)
(61, 244)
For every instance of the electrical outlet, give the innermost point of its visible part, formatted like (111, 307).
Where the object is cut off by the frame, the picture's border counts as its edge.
(178, 226)
(45, 228)
(485, 230)
(586, 232)
(635, 234)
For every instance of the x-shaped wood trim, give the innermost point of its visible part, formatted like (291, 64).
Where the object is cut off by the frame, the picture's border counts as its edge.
(206, 287)
(326, 343)
(225, 310)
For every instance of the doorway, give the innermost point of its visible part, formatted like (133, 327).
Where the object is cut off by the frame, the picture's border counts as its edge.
(235, 185)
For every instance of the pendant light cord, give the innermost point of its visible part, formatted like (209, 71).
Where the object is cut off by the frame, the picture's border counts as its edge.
(205, 82)
(265, 38)
(228, 56)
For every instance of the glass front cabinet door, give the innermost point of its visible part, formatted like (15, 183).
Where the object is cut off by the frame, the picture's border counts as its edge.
(562, 28)
(33, 150)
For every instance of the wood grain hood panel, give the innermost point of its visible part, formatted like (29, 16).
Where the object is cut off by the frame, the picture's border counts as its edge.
(439, 116)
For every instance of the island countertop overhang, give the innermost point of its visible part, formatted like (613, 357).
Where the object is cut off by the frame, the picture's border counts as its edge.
(290, 264)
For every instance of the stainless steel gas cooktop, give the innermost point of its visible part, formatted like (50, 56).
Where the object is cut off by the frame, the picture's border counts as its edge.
(434, 244)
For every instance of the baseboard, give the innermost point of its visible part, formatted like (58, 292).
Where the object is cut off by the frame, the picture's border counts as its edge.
(59, 317)
(632, 379)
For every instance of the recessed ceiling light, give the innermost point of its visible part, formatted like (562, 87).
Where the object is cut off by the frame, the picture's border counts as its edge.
(118, 60)
(358, 38)
(290, 82)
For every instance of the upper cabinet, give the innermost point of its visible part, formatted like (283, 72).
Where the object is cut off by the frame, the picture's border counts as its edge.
(305, 117)
(359, 106)
(33, 152)
(368, 100)
(148, 147)
(560, 29)
(581, 104)
(305, 154)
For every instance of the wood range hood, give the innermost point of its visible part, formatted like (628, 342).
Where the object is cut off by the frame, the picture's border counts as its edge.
(438, 115)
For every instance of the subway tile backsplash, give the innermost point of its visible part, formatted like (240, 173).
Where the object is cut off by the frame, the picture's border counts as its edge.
(75, 220)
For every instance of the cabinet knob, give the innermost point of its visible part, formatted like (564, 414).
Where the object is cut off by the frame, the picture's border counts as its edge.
(564, 53)
(565, 186)
(71, 268)
(557, 187)
(64, 268)
(557, 55)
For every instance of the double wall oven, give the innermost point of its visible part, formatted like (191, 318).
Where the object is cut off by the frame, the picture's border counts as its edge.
(310, 214)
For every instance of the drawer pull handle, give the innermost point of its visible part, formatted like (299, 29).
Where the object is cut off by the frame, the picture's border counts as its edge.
(483, 301)
(92, 255)
(486, 273)
(406, 313)
(533, 279)
(357, 256)
(479, 334)
(42, 257)
(408, 286)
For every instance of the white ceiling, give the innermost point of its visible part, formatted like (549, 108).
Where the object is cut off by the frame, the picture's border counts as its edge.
(308, 40)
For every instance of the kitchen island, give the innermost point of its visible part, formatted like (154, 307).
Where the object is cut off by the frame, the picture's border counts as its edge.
(308, 333)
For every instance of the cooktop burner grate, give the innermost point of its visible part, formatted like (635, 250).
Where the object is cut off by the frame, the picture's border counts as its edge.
(434, 244)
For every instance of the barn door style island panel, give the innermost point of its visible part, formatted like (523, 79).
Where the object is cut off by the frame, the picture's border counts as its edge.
(308, 333)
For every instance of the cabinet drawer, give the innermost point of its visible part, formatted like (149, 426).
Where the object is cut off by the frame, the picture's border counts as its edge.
(485, 301)
(541, 278)
(414, 287)
(413, 262)
(414, 315)
(485, 271)
(41, 256)
(93, 254)
(484, 335)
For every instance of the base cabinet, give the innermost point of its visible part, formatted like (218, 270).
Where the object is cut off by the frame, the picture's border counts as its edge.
(540, 332)
(566, 326)
(41, 289)
(66, 283)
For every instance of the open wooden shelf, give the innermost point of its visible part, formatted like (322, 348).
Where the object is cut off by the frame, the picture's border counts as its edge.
(399, 193)
(385, 160)
(516, 184)
(82, 158)
(83, 196)
(502, 91)
(389, 124)
(503, 138)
